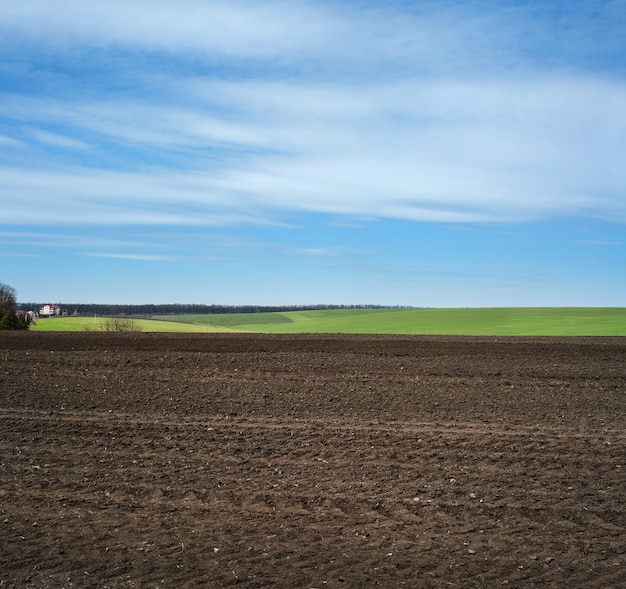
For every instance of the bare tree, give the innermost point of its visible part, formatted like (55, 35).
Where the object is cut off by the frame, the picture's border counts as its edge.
(8, 317)
(8, 296)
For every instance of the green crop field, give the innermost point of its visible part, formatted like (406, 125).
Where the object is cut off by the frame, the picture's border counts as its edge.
(97, 324)
(230, 320)
(563, 321)
(498, 321)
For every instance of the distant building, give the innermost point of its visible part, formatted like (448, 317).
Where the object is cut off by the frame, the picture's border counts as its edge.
(28, 316)
(49, 310)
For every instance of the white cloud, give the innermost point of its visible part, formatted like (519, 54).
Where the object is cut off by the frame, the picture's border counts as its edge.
(138, 257)
(234, 28)
(460, 127)
(314, 251)
(48, 240)
(18, 255)
(58, 140)
(430, 150)
(350, 37)
(107, 197)
(9, 141)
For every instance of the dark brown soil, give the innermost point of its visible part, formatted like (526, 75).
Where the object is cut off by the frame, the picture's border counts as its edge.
(311, 461)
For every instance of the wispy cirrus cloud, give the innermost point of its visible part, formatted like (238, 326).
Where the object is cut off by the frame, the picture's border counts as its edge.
(434, 150)
(9, 142)
(57, 140)
(424, 37)
(239, 28)
(133, 256)
(441, 112)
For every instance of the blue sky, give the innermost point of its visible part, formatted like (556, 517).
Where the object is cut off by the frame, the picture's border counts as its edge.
(441, 154)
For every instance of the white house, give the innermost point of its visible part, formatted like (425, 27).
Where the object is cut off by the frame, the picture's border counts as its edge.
(49, 310)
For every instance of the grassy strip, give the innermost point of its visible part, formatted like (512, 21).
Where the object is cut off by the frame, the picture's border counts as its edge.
(97, 324)
(229, 319)
(495, 321)
(563, 321)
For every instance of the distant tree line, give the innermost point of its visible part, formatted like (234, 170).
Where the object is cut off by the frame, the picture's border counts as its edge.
(191, 309)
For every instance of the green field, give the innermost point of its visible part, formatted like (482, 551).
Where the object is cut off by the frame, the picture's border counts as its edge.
(97, 324)
(562, 321)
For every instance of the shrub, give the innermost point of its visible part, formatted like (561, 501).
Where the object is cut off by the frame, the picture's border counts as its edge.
(120, 324)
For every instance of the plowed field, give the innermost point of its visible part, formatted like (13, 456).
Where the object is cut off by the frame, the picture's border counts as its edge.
(311, 461)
